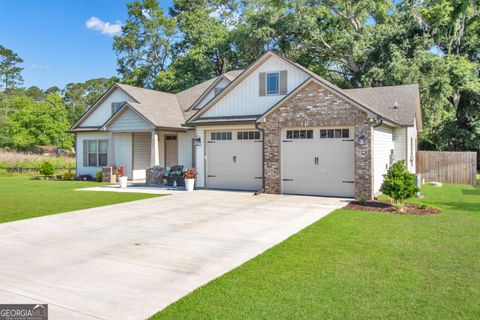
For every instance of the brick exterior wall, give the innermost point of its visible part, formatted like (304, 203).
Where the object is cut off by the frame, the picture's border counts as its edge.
(315, 106)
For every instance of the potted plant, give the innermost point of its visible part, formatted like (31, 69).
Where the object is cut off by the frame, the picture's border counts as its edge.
(122, 179)
(189, 176)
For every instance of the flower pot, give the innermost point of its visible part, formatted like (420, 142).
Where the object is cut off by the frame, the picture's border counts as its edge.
(189, 184)
(122, 182)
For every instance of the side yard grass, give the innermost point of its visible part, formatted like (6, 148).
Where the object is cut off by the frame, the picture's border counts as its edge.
(22, 198)
(358, 265)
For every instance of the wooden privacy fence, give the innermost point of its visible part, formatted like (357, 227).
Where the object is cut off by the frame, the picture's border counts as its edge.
(448, 167)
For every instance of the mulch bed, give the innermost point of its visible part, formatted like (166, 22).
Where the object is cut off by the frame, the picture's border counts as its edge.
(381, 206)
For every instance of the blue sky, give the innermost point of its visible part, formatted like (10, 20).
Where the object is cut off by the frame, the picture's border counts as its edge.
(54, 41)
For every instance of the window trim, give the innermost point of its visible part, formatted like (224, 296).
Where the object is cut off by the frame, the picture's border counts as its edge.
(267, 74)
(221, 135)
(330, 133)
(248, 135)
(97, 153)
(296, 134)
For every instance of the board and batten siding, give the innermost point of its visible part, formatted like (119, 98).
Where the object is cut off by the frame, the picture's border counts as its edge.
(81, 136)
(244, 99)
(141, 154)
(129, 120)
(123, 151)
(185, 148)
(400, 144)
(104, 110)
(382, 148)
(222, 84)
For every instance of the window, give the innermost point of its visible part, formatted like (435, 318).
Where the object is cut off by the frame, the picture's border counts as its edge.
(116, 106)
(170, 137)
(248, 135)
(221, 136)
(272, 83)
(217, 90)
(334, 133)
(299, 134)
(97, 153)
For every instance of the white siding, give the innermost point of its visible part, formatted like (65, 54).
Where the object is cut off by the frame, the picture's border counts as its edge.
(141, 154)
(412, 148)
(244, 99)
(123, 151)
(382, 146)
(79, 151)
(185, 148)
(200, 159)
(104, 111)
(404, 150)
(400, 144)
(222, 84)
(129, 121)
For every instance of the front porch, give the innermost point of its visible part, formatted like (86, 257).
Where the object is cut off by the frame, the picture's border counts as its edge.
(139, 150)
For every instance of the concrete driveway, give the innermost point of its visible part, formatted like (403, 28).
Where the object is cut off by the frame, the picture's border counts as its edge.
(130, 260)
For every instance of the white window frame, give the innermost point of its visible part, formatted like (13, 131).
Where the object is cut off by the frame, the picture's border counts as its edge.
(97, 153)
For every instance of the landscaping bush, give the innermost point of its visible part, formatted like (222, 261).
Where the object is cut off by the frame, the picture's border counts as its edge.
(69, 175)
(47, 169)
(85, 177)
(398, 183)
(99, 176)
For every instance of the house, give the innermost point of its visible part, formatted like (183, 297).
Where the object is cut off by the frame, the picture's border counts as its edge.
(274, 126)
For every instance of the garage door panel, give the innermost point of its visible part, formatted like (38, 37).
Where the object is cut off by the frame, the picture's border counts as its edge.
(318, 166)
(234, 164)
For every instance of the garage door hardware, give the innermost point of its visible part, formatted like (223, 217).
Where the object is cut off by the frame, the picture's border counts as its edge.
(211, 141)
(348, 140)
(258, 177)
(210, 176)
(315, 161)
(234, 158)
(287, 140)
(348, 181)
(287, 179)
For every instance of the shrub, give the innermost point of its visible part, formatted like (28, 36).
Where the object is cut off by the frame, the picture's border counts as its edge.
(398, 183)
(47, 169)
(69, 175)
(99, 176)
(362, 201)
(85, 177)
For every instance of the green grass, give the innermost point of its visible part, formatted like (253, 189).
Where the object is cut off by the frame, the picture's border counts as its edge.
(359, 265)
(22, 198)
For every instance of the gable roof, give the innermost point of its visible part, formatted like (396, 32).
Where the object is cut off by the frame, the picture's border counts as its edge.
(168, 110)
(399, 103)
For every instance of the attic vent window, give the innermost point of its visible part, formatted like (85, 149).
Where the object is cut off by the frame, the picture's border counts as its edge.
(396, 105)
(217, 90)
(116, 106)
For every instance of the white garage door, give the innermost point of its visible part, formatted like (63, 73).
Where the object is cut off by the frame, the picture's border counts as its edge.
(234, 160)
(318, 161)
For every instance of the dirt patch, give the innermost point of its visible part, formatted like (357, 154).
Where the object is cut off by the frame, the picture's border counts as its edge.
(387, 207)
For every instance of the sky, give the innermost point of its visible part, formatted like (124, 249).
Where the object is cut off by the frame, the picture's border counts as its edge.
(63, 41)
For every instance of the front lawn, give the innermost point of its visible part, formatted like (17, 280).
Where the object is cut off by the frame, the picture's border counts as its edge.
(359, 265)
(22, 198)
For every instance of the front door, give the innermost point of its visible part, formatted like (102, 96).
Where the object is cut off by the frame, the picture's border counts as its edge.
(171, 150)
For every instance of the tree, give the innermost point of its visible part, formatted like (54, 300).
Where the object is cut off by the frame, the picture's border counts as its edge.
(35, 93)
(37, 123)
(144, 48)
(10, 72)
(398, 183)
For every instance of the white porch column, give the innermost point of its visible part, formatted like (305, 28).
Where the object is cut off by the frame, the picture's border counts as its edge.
(154, 157)
(111, 150)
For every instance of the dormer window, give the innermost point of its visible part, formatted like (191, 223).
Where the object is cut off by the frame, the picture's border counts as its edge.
(217, 90)
(272, 83)
(116, 106)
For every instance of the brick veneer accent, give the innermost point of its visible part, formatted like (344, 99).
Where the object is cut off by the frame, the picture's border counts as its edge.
(109, 175)
(315, 106)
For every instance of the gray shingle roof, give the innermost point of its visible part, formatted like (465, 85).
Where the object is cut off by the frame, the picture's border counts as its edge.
(397, 103)
(160, 108)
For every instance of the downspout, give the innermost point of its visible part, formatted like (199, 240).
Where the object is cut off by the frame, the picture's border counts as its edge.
(263, 159)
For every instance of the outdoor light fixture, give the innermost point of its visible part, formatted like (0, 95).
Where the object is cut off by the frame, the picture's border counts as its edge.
(197, 141)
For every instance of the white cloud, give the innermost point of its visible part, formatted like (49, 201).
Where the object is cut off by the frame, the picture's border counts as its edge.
(107, 28)
(39, 66)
